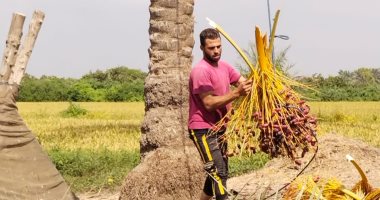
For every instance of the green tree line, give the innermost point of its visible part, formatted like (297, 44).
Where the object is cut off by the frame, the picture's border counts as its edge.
(115, 84)
(124, 84)
(362, 84)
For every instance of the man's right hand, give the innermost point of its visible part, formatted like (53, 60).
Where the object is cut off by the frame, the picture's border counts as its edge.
(244, 88)
(212, 102)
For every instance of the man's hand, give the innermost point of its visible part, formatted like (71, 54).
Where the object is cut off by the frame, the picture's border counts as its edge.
(212, 102)
(244, 88)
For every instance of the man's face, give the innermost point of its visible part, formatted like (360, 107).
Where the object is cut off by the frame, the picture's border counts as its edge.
(212, 50)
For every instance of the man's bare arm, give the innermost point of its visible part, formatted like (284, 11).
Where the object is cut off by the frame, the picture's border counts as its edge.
(212, 102)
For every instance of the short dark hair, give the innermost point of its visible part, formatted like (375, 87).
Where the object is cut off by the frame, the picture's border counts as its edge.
(208, 33)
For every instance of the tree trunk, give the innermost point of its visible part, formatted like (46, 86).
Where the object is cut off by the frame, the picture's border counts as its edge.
(170, 167)
(12, 45)
(26, 171)
(23, 56)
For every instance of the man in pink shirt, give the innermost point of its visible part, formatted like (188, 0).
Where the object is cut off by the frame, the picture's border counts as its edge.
(210, 99)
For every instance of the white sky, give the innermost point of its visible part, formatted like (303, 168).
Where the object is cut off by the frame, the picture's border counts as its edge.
(82, 35)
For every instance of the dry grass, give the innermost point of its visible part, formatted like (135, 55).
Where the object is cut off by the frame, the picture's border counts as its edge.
(115, 126)
(359, 120)
(102, 139)
(93, 151)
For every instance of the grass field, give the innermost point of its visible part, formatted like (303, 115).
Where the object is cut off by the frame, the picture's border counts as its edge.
(92, 151)
(96, 150)
(359, 120)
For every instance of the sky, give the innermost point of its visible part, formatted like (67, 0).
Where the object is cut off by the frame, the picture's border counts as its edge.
(79, 36)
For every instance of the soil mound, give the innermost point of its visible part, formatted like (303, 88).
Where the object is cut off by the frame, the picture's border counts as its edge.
(330, 161)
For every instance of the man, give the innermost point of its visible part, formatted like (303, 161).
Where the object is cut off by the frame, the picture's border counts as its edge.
(210, 99)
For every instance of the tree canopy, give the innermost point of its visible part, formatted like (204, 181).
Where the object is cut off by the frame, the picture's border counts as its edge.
(362, 84)
(124, 84)
(115, 84)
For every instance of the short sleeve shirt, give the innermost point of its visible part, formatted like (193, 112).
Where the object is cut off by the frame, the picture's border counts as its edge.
(204, 78)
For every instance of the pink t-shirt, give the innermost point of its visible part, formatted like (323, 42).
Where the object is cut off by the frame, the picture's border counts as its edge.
(204, 78)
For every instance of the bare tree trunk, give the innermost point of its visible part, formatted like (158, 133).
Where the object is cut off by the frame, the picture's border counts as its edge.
(12, 45)
(170, 167)
(23, 56)
(26, 171)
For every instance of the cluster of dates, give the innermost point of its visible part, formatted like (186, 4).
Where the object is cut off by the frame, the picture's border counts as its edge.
(291, 128)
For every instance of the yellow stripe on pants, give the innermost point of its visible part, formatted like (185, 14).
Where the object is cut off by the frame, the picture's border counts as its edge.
(220, 184)
(208, 152)
(197, 145)
(207, 149)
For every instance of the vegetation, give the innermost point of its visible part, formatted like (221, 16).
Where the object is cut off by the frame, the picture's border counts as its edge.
(115, 84)
(362, 84)
(94, 145)
(240, 165)
(97, 150)
(359, 120)
(93, 151)
(74, 110)
(121, 84)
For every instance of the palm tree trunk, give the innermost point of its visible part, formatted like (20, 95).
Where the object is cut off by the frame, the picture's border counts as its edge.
(170, 167)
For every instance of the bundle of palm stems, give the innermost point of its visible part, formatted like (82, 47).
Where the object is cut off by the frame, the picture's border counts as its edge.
(308, 187)
(273, 118)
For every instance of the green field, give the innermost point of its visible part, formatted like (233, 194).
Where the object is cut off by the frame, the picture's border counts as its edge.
(92, 151)
(96, 150)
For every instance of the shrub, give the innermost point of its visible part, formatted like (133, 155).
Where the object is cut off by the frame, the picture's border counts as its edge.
(74, 110)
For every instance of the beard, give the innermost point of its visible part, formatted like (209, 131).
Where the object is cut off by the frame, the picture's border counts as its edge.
(211, 59)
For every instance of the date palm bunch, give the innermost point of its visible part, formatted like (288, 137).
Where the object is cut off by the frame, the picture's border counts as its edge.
(308, 187)
(273, 118)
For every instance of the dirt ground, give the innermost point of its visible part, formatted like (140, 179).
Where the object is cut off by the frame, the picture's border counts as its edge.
(101, 195)
(330, 161)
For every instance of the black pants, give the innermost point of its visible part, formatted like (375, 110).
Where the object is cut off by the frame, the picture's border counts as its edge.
(213, 154)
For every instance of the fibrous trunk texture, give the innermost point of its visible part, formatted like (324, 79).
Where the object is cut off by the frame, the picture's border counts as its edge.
(170, 167)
